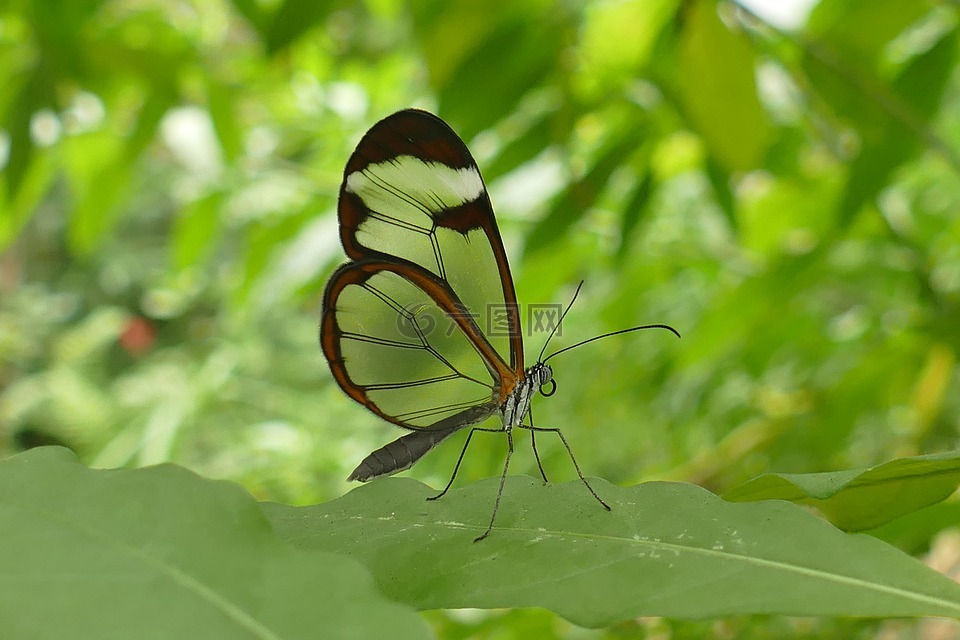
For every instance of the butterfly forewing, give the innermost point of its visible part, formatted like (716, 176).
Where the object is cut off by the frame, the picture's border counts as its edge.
(412, 191)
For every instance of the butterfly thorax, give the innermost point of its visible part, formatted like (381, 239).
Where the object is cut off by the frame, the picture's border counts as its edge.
(517, 404)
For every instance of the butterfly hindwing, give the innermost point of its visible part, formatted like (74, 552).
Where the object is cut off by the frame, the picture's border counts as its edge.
(399, 342)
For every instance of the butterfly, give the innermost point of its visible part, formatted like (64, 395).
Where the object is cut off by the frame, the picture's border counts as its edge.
(422, 325)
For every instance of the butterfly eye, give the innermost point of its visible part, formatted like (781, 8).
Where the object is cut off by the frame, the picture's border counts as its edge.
(553, 389)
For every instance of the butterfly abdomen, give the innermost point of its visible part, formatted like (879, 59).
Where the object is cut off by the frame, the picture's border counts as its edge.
(400, 454)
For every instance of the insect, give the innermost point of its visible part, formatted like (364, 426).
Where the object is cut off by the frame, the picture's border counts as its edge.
(422, 325)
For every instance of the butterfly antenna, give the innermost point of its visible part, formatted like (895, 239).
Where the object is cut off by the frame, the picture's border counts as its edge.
(614, 333)
(559, 322)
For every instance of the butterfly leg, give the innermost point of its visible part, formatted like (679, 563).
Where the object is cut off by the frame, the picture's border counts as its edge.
(460, 459)
(533, 442)
(575, 465)
(503, 478)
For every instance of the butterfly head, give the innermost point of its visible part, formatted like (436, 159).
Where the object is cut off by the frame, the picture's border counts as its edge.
(541, 375)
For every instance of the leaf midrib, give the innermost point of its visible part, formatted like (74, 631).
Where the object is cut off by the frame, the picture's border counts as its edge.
(676, 550)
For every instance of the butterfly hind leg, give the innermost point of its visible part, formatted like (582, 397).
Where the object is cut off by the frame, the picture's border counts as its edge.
(572, 458)
(533, 443)
(503, 478)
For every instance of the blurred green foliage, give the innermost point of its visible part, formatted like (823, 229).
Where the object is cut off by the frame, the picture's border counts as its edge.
(787, 197)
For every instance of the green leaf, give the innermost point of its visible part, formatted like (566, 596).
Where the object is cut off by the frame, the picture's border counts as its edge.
(263, 238)
(32, 187)
(860, 499)
(100, 175)
(617, 40)
(892, 138)
(252, 11)
(889, 105)
(878, 22)
(718, 89)
(36, 93)
(720, 181)
(634, 210)
(577, 198)
(195, 231)
(293, 19)
(61, 28)
(151, 113)
(221, 100)
(665, 549)
(914, 532)
(163, 553)
(512, 60)
(101, 167)
(525, 146)
(21, 147)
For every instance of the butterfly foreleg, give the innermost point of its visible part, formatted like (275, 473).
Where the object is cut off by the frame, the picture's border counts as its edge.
(572, 458)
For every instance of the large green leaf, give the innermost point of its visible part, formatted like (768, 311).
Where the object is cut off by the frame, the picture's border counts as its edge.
(890, 106)
(31, 187)
(514, 58)
(101, 166)
(616, 42)
(635, 208)
(915, 531)
(860, 499)
(879, 22)
(162, 553)
(196, 231)
(253, 12)
(525, 146)
(718, 90)
(920, 87)
(292, 20)
(35, 93)
(222, 99)
(572, 204)
(665, 549)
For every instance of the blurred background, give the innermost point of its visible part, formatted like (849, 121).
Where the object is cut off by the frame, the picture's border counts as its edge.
(777, 180)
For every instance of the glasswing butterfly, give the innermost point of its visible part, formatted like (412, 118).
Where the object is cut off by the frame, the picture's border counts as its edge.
(422, 325)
